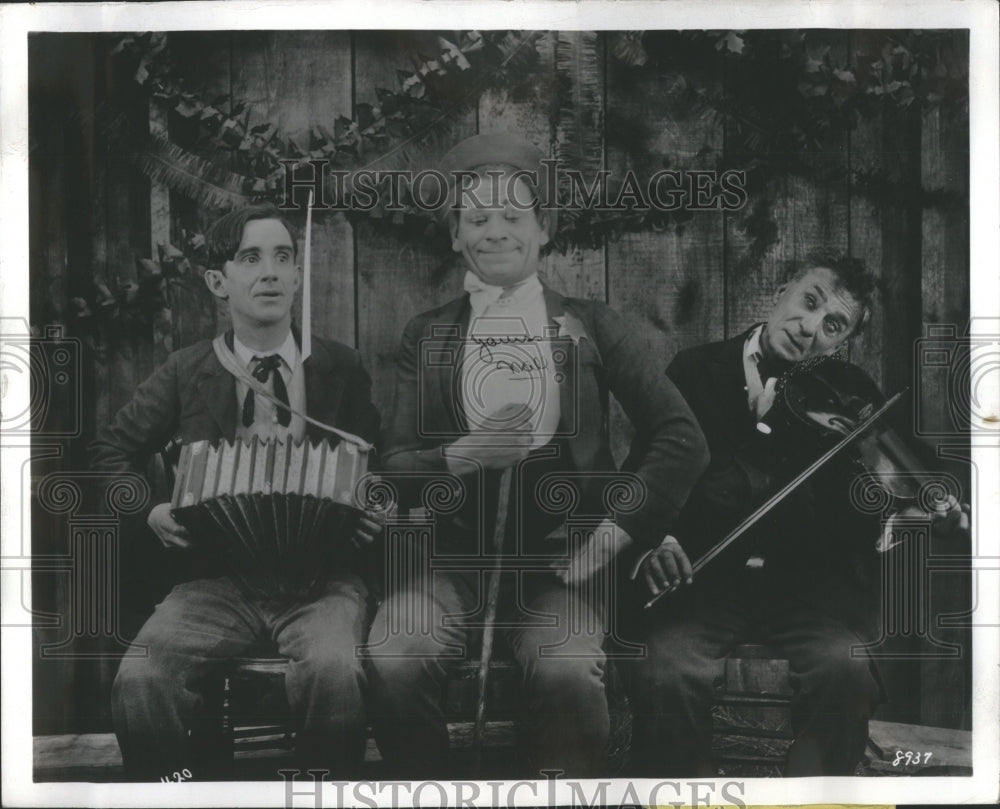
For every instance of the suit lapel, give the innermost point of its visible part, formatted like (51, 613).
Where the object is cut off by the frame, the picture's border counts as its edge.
(569, 414)
(580, 407)
(324, 388)
(729, 383)
(443, 378)
(217, 389)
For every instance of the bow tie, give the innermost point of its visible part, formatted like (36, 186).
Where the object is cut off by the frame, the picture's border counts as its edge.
(269, 366)
(771, 368)
(483, 295)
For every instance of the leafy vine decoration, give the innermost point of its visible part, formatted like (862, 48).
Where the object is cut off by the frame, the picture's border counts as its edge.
(785, 100)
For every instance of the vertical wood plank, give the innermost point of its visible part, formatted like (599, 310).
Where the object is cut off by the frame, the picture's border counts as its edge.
(866, 157)
(901, 250)
(885, 233)
(945, 278)
(398, 277)
(808, 214)
(159, 194)
(944, 152)
(527, 109)
(670, 285)
(297, 80)
(127, 220)
(60, 268)
(126, 236)
(202, 61)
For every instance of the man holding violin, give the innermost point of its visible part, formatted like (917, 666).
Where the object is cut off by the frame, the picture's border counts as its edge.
(804, 579)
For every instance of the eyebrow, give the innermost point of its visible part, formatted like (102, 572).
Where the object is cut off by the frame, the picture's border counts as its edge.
(844, 319)
(247, 251)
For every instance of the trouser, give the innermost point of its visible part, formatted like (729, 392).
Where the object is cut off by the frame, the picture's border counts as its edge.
(556, 635)
(834, 690)
(199, 626)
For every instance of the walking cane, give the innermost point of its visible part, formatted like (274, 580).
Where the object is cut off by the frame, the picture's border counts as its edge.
(493, 593)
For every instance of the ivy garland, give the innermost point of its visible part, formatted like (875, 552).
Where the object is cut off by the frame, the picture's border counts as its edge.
(117, 309)
(788, 97)
(380, 135)
(784, 98)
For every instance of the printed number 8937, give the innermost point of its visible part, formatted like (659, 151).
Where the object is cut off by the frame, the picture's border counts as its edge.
(908, 757)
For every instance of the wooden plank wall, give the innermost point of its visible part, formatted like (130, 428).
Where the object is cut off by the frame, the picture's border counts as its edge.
(679, 287)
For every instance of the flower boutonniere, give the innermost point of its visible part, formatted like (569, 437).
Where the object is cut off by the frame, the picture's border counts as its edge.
(570, 326)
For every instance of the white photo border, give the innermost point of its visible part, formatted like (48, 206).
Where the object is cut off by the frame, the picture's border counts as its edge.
(979, 16)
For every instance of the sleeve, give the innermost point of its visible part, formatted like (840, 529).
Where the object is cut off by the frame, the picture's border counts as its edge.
(139, 430)
(404, 450)
(669, 452)
(142, 427)
(361, 416)
(731, 484)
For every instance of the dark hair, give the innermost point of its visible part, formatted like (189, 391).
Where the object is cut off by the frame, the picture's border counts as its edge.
(852, 276)
(225, 234)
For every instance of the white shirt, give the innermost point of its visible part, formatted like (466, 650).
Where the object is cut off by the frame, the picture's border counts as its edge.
(759, 400)
(508, 359)
(265, 413)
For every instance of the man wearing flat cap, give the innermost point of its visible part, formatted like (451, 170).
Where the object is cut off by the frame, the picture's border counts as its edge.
(512, 375)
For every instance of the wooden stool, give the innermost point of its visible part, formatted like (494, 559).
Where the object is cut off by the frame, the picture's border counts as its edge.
(751, 716)
(249, 716)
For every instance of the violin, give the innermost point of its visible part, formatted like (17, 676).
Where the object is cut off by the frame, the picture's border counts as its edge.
(822, 408)
(821, 401)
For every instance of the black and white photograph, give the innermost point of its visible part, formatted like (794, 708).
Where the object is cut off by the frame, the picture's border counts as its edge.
(510, 403)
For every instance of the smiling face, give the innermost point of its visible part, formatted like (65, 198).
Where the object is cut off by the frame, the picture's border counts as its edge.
(812, 316)
(501, 242)
(261, 278)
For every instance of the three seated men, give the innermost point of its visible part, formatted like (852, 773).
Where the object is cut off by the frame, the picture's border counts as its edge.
(520, 382)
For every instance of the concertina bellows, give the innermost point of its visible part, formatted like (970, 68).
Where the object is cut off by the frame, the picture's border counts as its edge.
(279, 511)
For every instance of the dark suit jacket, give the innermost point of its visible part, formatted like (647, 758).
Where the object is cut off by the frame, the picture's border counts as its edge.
(816, 545)
(191, 397)
(426, 415)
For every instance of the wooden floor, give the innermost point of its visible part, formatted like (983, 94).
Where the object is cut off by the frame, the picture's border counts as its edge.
(95, 756)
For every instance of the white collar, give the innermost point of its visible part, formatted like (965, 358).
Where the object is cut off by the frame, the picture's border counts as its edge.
(483, 295)
(288, 351)
(752, 349)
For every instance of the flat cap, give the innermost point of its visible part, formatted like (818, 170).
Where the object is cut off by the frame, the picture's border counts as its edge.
(502, 147)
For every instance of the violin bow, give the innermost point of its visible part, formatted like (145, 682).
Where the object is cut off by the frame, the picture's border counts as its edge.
(784, 491)
(307, 284)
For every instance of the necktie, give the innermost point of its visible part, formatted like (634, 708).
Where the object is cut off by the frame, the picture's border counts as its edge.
(769, 368)
(269, 366)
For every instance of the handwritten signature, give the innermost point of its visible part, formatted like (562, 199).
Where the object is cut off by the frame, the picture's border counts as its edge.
(486, 344)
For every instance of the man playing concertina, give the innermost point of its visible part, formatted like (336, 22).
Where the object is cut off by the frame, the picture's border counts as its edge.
(513, 375)
(805, 580)
(204, 622)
